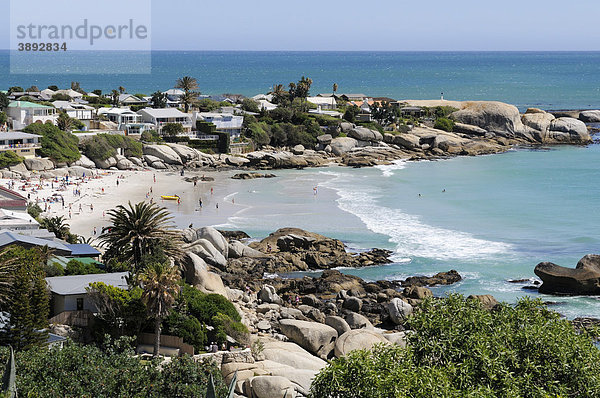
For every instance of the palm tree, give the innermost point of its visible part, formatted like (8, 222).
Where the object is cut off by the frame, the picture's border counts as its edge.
(335, 87)
(121, 90)
(160, 286)
(188, 98)
(57, 225)
(115, 97)
(278, 93)
(188, 85)
(64, 121)
(45, 253)
(139, 230)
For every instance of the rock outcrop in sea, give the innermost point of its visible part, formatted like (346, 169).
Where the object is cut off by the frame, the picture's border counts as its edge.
(584, 279)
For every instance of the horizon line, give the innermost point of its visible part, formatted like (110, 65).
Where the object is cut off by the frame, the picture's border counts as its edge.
(339, 51)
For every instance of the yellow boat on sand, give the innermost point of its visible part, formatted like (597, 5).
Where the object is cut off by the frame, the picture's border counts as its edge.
(169, 197)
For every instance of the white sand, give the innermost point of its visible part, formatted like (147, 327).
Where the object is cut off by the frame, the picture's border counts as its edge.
(133, 186)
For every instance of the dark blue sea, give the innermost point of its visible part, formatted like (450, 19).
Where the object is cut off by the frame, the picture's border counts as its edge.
(549, 80)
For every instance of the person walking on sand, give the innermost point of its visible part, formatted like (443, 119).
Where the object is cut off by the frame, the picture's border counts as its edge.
(154, 176)
(211, 191)
(200, 202)
(94, 231)
(217, 205)
(117, 182)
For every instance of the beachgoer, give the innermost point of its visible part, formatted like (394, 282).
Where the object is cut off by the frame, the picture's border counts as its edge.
(178, 200)
(154, 176)
(117, 182)
(444, 190)
(94, 230)
(91, 207)
(268, 248)
(217, 205)
(191, 225)
(80, 207)
(195, 182)
(211, 191)
(200, 202)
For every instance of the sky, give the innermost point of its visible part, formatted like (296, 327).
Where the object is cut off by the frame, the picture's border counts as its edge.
(353, 25)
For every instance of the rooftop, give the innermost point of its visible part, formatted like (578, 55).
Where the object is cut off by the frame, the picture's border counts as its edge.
(26, 104)
(163, 112)
(10, 237)
(77, 284)
(17, 135)
(83, 249)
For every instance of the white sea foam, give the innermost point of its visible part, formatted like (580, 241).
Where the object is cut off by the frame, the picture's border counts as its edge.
(412, 237)
(388, 170)
(230, 196)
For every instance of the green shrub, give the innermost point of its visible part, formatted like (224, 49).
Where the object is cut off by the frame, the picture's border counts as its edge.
(458, 349)
(9, 158)
(75, 267)
(86, 371)
(53, 269)
(443, 123)
(57, 145)
(104, 146)
(205, 306)
(187, 327)
(225, 326)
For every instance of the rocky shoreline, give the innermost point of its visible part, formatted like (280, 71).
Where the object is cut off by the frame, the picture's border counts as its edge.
(481, 127)
(297, 323)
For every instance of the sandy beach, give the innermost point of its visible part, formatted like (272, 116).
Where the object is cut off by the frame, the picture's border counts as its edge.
(86, 211)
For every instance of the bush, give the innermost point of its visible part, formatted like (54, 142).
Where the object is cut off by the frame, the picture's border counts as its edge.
(57, 145)
(205, 306)
(151, 136)
(443, 123)
(225, 326)
(86, 371)
(53, 269)
(187, 327)
(9, 158)
(172, 129)
(75, 267)
(104, 146)
(249, 105)
(459, 349)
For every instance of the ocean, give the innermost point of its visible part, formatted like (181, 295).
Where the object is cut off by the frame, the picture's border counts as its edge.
(548, 80)
(492, 218)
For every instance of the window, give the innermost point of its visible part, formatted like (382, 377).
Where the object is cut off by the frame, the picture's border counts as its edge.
(80, 304)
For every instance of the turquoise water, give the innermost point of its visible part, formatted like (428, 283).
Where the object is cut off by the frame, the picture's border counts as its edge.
(542, 79)
(499, 216)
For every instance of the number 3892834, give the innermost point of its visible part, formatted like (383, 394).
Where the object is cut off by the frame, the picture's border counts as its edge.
(42, 47)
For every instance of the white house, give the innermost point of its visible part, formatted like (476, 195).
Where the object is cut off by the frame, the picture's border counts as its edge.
(225, 122)
(17, 221)
(23, 144)
(324, 102)
(126, 120)
(266, 105)
(75, 110)
(69, 293)
(23, 113)
(128, 100)
(71, 93)
(160, 117)
(266, 97)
